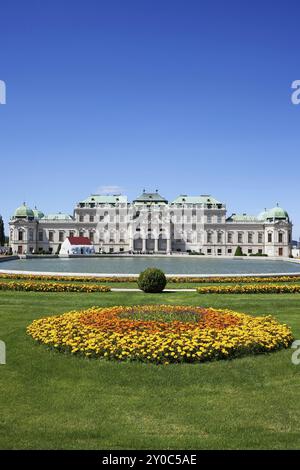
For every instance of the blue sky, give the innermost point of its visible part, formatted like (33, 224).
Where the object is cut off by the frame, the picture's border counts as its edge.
(186, 96)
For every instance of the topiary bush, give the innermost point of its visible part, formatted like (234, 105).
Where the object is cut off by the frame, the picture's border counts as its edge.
(239, 252)
(152, 280)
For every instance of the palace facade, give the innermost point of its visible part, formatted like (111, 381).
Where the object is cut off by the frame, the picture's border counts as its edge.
(151, 224)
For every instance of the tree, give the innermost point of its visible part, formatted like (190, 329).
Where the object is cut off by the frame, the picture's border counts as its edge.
(238, 252)
(2, 234)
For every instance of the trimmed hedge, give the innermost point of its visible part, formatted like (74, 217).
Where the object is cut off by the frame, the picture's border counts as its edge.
(152, 280)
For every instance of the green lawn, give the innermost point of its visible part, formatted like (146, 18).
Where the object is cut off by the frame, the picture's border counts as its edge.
(55, 401)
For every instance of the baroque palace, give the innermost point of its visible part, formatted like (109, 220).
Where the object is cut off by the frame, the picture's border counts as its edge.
(151, 224)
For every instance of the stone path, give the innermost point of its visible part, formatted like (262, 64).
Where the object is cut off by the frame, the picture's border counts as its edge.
(117, 289)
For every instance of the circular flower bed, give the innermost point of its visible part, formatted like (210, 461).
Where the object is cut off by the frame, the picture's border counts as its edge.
(161, 333)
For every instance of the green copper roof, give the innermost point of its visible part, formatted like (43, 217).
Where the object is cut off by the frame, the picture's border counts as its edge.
(204, 199)
(37, 213)
(148, 198)
(275, 213)
(58, 216)
(262, 215)
(24, 211)
(105, 199)
(242, 218)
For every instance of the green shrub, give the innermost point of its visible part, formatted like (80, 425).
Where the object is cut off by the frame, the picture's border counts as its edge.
(239, 252)
(258, 254)
(152, 280)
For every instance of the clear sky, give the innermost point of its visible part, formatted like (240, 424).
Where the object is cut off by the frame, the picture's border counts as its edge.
(184, 96)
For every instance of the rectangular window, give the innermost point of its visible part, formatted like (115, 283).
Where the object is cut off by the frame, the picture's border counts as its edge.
(219, 251)
(92, 236)
(209, 251)
(81, 218)
(250, 251)
(240, 237)
(91, 218)
(51, 236)
(30, 235)
(219, 237)
(61, 236)
(280, 237)
(250, 237)
(20, 236)
(270, 237)
(229, 237)
(219, 219)
(209, 237)
(40, 236)
(229, 251)
(81, 233)
(209, 219)
(71, 233)
(260, 237)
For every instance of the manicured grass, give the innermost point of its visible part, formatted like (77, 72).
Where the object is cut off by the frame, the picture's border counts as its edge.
(54, 401)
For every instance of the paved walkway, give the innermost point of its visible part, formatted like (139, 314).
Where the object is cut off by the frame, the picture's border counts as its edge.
(116, 289)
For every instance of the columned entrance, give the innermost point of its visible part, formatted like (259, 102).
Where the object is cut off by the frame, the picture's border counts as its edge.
(162, 243)
(150, 243)
(137, 244)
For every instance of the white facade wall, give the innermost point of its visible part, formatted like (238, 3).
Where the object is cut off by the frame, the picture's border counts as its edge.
(154, 228)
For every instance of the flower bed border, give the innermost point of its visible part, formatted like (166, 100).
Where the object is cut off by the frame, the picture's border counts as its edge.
(52, 287)
(251, 289)
(170, 279)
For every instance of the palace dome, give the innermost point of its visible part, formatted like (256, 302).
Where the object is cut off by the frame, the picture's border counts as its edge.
(275, 213)
(37, 213)
(262, 215)
(24, 211)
